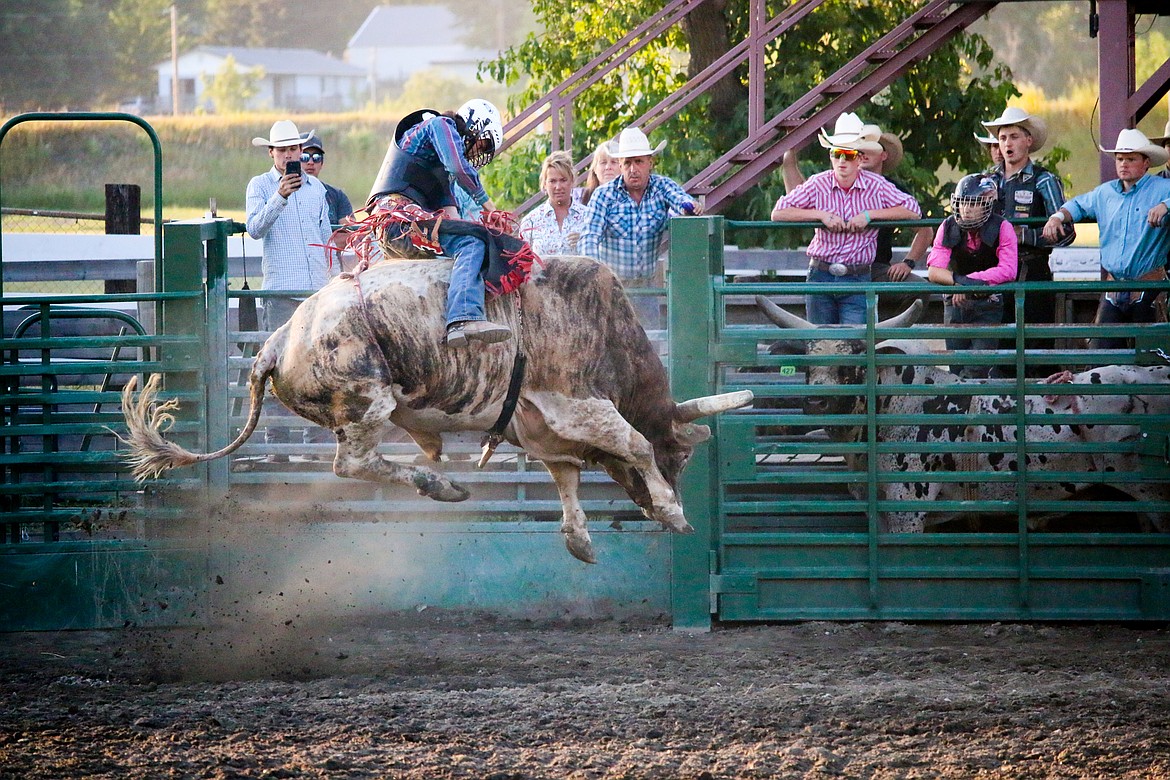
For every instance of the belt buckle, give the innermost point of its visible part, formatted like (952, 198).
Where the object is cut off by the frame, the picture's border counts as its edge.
(838, 269)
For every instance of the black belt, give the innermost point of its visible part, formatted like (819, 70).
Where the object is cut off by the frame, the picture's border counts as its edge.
(838, 269)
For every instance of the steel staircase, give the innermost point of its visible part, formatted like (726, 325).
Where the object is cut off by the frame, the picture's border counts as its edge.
(761, 150)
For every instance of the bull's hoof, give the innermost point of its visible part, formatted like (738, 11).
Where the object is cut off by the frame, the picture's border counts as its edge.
(580, 547)
(674, 521)
(443, 491)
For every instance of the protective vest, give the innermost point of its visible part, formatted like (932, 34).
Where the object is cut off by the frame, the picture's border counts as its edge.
(964, 260)
(405, 174)
(1020, 198)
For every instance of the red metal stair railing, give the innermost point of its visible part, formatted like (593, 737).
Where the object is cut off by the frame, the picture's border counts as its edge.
(862, 77)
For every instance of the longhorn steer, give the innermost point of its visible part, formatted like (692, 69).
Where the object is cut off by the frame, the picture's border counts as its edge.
(367, 351)
(1063, 429)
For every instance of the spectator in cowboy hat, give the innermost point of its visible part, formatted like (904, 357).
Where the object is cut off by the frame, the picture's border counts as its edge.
(290, 214)
(1163, 141)
(313, 160)
(991, 144)
(845, 200)
(1027, 190)
(881, 162)
(627, 218)
(1131, 214)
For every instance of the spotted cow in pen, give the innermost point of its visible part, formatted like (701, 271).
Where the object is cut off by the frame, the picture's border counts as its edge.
(368, 351)
(1065, 433)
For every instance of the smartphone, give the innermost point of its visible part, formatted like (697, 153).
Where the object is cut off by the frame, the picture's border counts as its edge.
(292, 166)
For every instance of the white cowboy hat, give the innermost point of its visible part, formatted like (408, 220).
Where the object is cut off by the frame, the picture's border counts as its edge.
(283, 133)
(850, 133)
(1162, 139)
(1135, 141)
(987, 140)
(633, 143)
(889, 143)
(1033, 125)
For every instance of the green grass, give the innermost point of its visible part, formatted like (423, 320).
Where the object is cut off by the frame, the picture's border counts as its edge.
(65, 165)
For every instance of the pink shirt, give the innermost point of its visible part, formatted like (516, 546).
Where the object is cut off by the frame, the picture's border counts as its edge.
(1007, 252)
(870, 192)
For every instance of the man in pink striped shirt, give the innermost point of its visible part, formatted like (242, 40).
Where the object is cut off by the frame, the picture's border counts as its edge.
(845, 199)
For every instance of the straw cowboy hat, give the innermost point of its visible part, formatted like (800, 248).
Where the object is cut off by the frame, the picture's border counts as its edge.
(890, 143)
(1032, 125)
(851, 133)
(633, 143)
(283, 133)
(1135, 141)
(1162, 139)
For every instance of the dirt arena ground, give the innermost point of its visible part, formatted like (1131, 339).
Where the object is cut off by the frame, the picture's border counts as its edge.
(434, 695)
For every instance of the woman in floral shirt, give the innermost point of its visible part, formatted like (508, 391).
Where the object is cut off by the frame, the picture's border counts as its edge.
(553, 227)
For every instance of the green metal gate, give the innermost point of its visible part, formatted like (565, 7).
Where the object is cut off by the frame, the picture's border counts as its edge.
(781, 538)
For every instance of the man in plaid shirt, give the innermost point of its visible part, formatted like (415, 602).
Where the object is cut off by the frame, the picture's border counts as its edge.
(845, 200)
(627, 217)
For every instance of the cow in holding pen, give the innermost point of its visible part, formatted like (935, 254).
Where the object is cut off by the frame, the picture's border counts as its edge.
(1071, 443)
(368, 350)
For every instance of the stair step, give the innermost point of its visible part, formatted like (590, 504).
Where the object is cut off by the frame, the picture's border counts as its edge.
(745, 157)
(880, 56)
(928, 21)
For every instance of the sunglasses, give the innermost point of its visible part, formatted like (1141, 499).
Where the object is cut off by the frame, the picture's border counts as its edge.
(844, 154)
(315, 157)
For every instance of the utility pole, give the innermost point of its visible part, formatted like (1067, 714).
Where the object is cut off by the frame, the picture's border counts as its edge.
(174, 59)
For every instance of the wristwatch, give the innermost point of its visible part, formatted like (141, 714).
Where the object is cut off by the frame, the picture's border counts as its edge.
(911, 263)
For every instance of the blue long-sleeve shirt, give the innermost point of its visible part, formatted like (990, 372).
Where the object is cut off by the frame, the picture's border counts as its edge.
(436, 140)
(1130, 248)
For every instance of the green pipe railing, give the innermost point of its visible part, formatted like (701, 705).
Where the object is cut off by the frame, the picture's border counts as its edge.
(101, 116)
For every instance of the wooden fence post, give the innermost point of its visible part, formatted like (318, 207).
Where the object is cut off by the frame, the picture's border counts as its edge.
(123, 217)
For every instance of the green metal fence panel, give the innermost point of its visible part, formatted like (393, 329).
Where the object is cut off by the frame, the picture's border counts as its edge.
(800, 498)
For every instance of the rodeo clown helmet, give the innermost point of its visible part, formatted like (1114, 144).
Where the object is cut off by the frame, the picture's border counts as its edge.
(483, 123)
(971, 204)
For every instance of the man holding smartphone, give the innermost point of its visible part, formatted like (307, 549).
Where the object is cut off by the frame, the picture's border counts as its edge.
(288, 211)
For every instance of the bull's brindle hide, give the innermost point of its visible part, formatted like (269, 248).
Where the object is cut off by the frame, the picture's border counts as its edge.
(1063, 430)
(364, 352)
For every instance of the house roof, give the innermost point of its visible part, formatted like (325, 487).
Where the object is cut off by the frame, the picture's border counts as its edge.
(300, 62)
(408, 25)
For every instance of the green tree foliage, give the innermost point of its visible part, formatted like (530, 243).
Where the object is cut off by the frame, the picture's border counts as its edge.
(141, 32)
(230, 89)
(934, 107)
(55, 54)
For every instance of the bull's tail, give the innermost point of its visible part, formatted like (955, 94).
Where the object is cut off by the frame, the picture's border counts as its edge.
(150, 453)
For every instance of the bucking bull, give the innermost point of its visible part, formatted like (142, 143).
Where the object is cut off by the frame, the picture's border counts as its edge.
(1063, 430)
(368, 351)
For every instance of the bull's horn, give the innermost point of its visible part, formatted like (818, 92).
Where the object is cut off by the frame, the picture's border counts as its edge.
(689, 411)
(906, 318)
(782, 317)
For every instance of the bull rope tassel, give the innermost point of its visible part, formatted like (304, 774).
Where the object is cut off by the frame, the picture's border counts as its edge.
(495, 434)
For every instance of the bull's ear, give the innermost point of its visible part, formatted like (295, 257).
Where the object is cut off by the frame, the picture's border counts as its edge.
(691, 433)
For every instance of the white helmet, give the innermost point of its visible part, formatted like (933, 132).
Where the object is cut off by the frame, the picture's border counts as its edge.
(483, 121)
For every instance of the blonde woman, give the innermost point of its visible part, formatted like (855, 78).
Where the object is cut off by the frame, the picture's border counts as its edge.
(604, 169)
(553, 227)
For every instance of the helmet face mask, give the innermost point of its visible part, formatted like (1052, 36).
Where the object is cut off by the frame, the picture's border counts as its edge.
(483, 125)
(972, 201)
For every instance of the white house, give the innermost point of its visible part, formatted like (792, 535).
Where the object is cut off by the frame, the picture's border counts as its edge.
(294, 79)
(396, 41)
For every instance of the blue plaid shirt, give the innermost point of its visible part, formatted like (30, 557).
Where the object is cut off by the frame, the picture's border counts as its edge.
(294, 231)
(623, 234)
